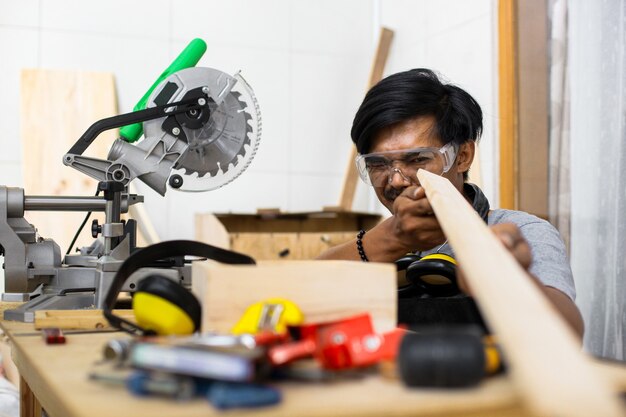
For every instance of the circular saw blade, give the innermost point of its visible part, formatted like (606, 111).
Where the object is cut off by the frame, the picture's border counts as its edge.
(220, 142)
(219, 150)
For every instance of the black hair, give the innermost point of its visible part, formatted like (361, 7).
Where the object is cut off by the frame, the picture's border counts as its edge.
(418, 92)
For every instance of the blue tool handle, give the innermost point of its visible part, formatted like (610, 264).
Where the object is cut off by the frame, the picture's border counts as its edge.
(226, 395)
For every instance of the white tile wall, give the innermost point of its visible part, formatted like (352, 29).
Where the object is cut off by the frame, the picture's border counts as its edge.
(307, 60)
(22, 13)
(313, 192)
(326, 92)
(115, 18)
(136, 62)
(250, 191)
(332, 27)
(245, 23)
(18, 49)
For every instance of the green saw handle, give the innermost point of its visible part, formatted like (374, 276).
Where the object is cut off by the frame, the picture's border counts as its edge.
(188, 58)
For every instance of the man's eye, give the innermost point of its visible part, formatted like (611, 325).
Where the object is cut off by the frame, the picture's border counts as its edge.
(376, 163)
(418, 159)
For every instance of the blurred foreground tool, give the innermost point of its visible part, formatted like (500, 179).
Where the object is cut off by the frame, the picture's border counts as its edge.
(53, 336)
(239, 364)
(341, 344)
(227, 395)
(447, 357)
(146, 384)
(274, 314)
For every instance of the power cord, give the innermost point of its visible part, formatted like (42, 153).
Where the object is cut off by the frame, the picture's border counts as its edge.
(80, 229)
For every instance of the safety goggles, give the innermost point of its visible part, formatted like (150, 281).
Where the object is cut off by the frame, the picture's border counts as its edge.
(378, 168)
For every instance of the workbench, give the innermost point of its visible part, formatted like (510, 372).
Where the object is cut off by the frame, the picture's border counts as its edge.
(54, 377)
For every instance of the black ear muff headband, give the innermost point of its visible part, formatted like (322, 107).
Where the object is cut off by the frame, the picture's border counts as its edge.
(156, 252)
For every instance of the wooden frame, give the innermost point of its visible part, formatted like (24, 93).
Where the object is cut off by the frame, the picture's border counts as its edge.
(523, 105)
(507, 69)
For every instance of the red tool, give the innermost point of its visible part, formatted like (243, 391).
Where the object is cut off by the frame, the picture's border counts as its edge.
(53, 336)
(340, 344)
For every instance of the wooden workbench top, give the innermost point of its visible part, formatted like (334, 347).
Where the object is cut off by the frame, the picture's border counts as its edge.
(57, 375)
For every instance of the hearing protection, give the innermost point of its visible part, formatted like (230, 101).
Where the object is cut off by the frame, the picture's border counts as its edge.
(162, 306)
(433, 274)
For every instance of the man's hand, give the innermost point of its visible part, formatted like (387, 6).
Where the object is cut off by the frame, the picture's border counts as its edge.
(511, 237)
(414, 224)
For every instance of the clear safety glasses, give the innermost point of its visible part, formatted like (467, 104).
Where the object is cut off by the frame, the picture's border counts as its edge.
(378, 168)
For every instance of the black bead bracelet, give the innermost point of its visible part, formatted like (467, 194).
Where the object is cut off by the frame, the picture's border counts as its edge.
(359, 245)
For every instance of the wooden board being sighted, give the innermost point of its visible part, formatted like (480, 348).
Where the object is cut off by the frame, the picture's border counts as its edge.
(324, 290)
(56, 109)
(544, 356)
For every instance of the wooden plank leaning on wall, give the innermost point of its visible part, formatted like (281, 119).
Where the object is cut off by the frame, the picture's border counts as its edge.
(351, 177)
(543, 355)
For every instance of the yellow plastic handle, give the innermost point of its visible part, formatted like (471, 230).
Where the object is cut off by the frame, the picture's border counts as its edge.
(273, 314)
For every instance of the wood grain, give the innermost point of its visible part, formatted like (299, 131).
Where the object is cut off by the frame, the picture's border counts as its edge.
(77, 319)
(323, 290)
(56, 108)
(545, 358)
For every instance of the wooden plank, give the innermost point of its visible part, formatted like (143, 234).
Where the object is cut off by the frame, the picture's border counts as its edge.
(77, 319)
(324, 290)
(287, 246)
(376, 74)
(508, 99)
(545, 358)
(56, 109)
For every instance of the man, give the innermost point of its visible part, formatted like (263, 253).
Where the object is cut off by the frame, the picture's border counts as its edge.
(412, 120)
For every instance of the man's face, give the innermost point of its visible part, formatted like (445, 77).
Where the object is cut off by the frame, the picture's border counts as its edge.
(418, 132)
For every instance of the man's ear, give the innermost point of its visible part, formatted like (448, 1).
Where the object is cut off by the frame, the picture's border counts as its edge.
(465, 156)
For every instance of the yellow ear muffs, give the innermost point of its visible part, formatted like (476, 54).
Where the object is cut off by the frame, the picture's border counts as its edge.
(165, 308)
(405, 288)
(435, 274)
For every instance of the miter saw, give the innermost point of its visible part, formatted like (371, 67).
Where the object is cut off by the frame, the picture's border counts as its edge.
(201, 129)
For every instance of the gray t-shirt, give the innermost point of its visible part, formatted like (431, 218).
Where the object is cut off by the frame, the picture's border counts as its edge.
(549, 257)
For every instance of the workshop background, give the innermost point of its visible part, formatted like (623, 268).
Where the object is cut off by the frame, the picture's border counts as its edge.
(308, 62)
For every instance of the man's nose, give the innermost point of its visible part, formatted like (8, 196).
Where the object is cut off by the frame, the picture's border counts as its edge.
(397, 178)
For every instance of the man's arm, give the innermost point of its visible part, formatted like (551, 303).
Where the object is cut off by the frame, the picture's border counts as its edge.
(510, 235)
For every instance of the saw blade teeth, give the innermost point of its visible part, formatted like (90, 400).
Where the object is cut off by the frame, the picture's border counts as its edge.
(236, 94)
(213, 172)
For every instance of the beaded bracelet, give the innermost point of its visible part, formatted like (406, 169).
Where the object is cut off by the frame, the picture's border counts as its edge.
(359, 245)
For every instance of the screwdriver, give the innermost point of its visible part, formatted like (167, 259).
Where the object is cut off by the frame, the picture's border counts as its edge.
(145, 384)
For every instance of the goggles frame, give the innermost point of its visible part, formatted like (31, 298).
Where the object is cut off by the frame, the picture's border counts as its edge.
(448, 152)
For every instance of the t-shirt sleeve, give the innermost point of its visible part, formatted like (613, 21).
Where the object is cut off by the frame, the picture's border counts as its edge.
(550, 263)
